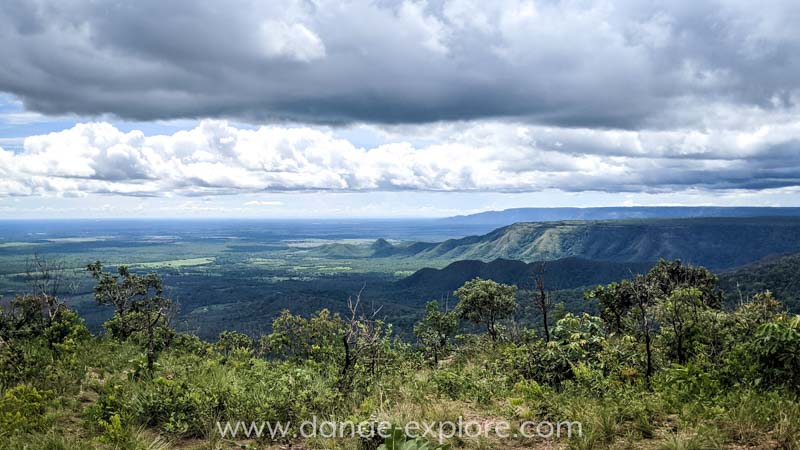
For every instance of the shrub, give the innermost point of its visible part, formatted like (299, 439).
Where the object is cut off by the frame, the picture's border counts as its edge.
(776, 351)
(174, 406)
(688, 384)
(295, 337)
(230, 342)
(113, 400)
(66, 331)
(22, 409)
(397, 440)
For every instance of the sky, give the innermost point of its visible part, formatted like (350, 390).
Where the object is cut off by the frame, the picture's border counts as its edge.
(394, 108)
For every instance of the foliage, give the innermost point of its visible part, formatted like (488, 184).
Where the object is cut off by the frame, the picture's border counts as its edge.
(486, 302)
(123, 291)
(22, 408)
(720, 378)
(776, 350)
(397, 440)
(230, 342)
(615, 301)
(435, 331)
(684, 320)
(66, 330)
(141, 310)
(295, 337)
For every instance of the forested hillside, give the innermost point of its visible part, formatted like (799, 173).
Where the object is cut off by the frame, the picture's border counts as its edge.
(567, 273)
(780, 275)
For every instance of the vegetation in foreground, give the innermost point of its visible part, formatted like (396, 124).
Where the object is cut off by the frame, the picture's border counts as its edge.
(665, 365)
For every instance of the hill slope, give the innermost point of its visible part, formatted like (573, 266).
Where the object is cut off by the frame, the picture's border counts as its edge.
(568, 273)
(780, 275)
(718, 243)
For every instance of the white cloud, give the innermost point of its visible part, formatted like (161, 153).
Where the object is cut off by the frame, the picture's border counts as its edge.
(263, 203)
(293, 41)
(217, 158)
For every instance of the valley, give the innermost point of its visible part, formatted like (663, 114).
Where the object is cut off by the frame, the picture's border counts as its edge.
(241, 274)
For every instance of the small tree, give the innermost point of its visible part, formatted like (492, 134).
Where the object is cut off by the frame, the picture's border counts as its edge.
(667, 276)
(435, 330)
(299, 338)
(681, 318)
(229, 342)
(486, 302)
(365, 341)
(151, 315)
(26, 316)
(643, 311)
(776, 351)
(48, 281)
(614, 301)
(542, 298)
(122, 290)
(140, 306)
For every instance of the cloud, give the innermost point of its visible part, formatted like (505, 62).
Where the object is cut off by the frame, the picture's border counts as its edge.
(216, 158)
(292, 41)
(592, 64)
(263, 203)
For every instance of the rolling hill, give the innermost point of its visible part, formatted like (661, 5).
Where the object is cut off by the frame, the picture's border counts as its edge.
(567, 273)
(781, 275)
(718, 243)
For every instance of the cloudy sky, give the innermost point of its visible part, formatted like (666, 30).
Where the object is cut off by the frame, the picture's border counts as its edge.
(317, 108)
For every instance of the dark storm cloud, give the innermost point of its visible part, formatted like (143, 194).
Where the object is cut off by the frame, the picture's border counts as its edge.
(627, 64)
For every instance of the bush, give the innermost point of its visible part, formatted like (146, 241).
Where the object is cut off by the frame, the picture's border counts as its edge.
(776, 351)
(22, 409)
(66, 331)
(24, 361)
(688, 384)
(113, 400)
(397, 440)
(174, 406)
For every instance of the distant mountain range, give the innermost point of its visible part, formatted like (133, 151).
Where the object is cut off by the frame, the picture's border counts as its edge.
(510, 216)
(718, 243)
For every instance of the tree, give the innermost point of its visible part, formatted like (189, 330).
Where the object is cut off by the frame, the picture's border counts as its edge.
(47, 281)
(122, 290)
(761, 308)
(151, 314)
(298, 338)
(681, 318)
(486, 302)
(140, 306)
(230, 341)
(644, 301)
(435, 330)
(672, 295)
(667, 276)
(26, 316)
(542, 299)
(365, 341)
(776, 351)
(614, 301)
